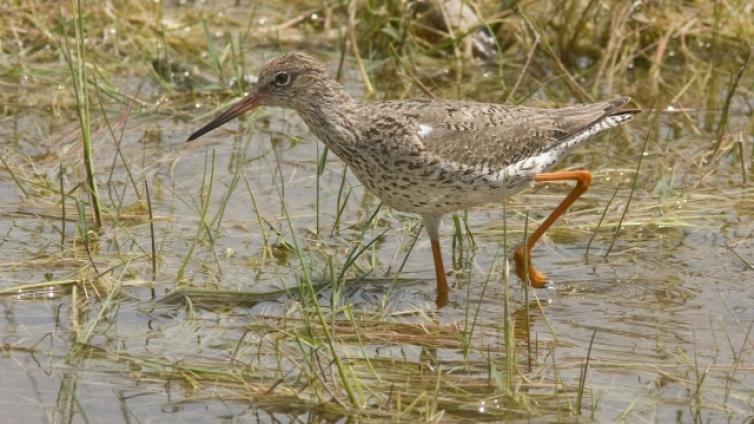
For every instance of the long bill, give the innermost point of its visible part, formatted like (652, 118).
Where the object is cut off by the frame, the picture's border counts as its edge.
(250, 102)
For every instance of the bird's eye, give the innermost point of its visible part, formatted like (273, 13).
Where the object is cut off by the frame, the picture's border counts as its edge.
(282, 78)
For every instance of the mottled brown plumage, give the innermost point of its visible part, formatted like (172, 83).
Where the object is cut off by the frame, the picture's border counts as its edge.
(427, 156)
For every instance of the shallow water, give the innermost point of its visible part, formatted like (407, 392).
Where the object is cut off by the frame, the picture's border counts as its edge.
(669, 307)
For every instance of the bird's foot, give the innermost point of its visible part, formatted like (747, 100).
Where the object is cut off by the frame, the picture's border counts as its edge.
(441, 299)
(524, 266)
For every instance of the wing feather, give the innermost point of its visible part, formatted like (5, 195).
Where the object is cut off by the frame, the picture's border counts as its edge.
(493, 135)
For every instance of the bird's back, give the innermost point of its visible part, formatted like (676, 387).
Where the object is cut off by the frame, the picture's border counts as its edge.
(485, 134)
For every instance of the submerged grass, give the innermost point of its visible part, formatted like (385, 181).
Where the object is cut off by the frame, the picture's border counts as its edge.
(299, 295)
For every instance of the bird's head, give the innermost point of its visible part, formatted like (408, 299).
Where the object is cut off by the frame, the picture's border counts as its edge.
(289, 81)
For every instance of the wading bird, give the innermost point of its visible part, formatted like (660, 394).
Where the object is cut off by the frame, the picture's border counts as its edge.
(431, 157)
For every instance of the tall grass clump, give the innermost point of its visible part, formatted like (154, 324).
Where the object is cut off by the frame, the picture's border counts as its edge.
(75, 57)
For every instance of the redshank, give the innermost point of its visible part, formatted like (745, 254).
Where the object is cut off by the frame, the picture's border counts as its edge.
(431, 157)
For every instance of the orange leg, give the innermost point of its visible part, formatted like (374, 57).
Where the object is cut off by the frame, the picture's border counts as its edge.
(442, 282)
(524, 268)
(432, 225)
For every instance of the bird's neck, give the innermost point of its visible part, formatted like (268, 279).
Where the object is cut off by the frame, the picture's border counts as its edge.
(331, 116)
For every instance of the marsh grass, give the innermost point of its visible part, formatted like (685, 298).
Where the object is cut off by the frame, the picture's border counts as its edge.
(77, 64)
(257, 275)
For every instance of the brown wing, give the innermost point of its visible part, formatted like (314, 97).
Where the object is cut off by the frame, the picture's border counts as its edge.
(496, 135)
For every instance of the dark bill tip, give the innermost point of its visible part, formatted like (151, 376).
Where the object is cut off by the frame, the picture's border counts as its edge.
(248, 103)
